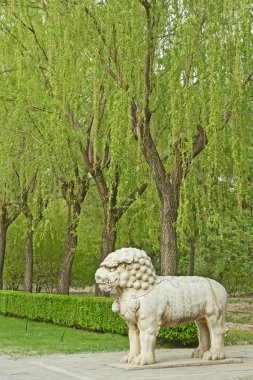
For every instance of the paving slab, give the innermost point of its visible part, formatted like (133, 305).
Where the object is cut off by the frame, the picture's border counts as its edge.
(94, 366)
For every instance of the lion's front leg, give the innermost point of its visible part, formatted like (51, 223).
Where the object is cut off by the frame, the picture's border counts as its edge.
(147, 354)
(134, 342)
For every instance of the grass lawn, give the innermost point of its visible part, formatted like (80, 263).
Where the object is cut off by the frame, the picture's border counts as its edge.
(240, 310)
(20, 337)
(239, 337)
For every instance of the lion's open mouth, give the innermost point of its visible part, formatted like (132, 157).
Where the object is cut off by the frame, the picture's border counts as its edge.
(104, 282)
(105, 286)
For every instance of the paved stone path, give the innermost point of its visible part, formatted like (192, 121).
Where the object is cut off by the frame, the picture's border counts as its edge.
(95, 367)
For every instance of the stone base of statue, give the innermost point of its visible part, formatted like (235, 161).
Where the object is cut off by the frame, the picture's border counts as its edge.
(170, 359)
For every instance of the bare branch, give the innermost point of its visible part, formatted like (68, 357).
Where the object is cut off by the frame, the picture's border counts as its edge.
(146, 4)
(35, 125)
(47, 83)
(90, 137)
(106, 158)
(58, 177)
(248, 78)
(32, 30)
(134, 119)
(112, 56)
(115, 188)
(82, 190)
(97, 25)
(76, 171)
(38, 109)
(101, 186)
(31, 186)
(12, 215)
(149, 58)
(16, 172)
(16, 39)
(177, 173)
(130, 200)
(200, 141)
(198, 146)
(4, 71)
(110, 71)
(29, 134)
(70, 116)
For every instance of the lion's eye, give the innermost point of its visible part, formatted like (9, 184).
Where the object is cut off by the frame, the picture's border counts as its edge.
(111, 269)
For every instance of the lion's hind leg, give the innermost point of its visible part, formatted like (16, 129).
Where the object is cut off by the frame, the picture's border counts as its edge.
(204, 339)
(218, 331)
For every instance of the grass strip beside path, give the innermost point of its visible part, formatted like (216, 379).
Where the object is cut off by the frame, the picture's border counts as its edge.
(21, 337)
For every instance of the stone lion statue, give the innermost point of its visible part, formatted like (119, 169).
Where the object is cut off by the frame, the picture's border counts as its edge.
(147, 302)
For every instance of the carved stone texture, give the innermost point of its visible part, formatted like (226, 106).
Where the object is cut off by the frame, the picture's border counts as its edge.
(147, 302)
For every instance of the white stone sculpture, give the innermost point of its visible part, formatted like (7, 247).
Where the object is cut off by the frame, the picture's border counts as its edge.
(147, 302)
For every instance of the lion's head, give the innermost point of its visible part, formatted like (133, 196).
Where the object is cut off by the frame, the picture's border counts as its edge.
(126, 268)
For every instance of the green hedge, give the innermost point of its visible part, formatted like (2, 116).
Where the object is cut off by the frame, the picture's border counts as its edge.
(91, 313)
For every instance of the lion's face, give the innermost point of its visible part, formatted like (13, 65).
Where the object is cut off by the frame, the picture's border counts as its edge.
(126, 268)
(106, 279)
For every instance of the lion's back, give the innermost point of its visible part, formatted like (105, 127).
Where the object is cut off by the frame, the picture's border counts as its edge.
(187, 298)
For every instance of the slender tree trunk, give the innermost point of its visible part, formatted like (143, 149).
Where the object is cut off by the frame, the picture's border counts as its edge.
(28, 278)
(108, 238)
(191, 242)
(168, 187)
(67, 258)
(107, 246)
(3, 234)
(5, 222)
(168, 237)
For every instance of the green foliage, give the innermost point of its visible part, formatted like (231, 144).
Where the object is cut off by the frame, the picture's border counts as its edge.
(89, 238)
(57, 59)
(91, 313)
(184, 334)
(48, 245)
(87, 312)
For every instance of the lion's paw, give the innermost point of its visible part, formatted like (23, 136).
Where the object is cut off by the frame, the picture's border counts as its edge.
(213, 355)
(143, 360)
(198, 353)
(128, 358)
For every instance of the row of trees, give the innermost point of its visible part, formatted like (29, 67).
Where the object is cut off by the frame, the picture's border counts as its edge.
(150, 119)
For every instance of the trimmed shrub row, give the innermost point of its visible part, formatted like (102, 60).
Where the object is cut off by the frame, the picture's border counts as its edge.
(91, 313)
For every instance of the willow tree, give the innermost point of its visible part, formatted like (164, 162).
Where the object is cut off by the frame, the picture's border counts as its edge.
(71, 116)
(185, 69)
(109, 176)
(21, 168)
(17, 180)
(173, 84)
(33, 205)
(86, 105)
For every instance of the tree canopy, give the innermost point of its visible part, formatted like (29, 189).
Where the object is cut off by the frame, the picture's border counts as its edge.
(135, 118)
